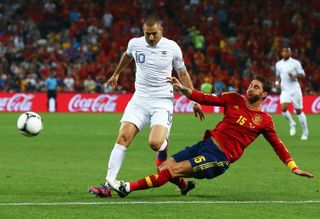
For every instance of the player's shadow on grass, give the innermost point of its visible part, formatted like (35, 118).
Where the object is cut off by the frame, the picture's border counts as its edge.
(156, 197)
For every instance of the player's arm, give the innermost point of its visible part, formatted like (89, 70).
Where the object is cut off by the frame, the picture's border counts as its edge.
(282, 152)
(195, 95)
(186, 81)
(299, 72)
(184, 76)
(277, 82)
(124, 61)
(278, 79)
(298, 76)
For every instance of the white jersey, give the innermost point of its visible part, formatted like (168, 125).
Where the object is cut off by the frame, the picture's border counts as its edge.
(283, 68)
(154, 64)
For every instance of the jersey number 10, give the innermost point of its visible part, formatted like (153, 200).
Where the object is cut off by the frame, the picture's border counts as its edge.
(140, 58)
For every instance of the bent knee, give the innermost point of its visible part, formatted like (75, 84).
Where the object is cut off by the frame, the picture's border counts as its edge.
(178, 168)
(155, 144)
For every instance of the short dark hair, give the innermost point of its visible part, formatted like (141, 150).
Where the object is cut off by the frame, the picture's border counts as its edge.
(151, 20)
(267, 85)
(287, 47)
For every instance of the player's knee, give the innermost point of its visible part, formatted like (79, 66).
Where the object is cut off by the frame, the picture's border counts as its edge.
(298, 111)
(177, 168)
(124, 139)
(169, 162)
(155, 144)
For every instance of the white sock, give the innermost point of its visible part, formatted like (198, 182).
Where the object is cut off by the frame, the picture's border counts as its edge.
(303, 120)
(288, 116)
(115, 161)
(164, 145)
(127, 187)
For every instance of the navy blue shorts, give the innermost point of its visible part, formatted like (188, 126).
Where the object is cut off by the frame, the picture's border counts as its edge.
(207, 160)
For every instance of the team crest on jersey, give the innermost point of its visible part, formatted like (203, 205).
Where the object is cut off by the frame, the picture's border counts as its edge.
(257, 119)
(164, 53)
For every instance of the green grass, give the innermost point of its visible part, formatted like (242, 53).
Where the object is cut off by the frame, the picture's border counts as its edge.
(72, 152)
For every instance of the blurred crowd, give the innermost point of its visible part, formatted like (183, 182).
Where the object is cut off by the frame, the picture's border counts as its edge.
(225, 42)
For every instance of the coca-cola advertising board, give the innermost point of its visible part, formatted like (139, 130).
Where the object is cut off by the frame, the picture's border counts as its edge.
(101, 103)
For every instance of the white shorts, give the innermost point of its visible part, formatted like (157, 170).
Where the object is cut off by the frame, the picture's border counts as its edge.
(294, 97)
(156, 111)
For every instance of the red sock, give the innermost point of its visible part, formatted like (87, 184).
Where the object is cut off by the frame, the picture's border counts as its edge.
(180, 182)
(151, 181)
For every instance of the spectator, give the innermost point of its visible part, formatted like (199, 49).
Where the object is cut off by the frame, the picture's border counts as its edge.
(31, 84)
(206, 86)
(89, 84)
(68, 83)
(199, 41)
(219, 86)
(107, 20)
(3, 82)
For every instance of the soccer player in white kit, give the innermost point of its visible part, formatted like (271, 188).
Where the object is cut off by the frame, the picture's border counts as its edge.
(155, 56)
(288, 71)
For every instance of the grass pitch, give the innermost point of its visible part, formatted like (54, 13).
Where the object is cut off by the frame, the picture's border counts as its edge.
(47, 176)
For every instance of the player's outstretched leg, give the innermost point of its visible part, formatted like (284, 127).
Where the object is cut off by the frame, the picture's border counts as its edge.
(155, 180)
(184, 185)
(190, 185)
(104, 191)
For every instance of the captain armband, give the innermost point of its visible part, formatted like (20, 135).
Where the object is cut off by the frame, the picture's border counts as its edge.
(292, 165)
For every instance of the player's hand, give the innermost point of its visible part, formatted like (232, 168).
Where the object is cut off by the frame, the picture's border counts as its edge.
(175, 82)
(303, 173)
(198, 111)
(113, 81)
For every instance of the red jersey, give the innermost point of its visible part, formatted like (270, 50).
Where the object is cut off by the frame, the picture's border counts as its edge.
(240, 125)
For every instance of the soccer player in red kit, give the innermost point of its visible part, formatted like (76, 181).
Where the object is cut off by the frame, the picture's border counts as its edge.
(243, 122)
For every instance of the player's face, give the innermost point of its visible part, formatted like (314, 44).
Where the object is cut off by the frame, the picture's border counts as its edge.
(152, 34)
(255, 91)
(286, 53)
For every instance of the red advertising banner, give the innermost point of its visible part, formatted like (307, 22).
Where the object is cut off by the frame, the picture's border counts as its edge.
(98, 103)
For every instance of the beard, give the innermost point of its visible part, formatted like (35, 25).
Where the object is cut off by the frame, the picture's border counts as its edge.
(253, 99)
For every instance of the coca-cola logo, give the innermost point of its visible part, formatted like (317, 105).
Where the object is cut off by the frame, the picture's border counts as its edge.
(270, 104)
(315, 108)
(16, 103)
(101, 103)
(183, 104)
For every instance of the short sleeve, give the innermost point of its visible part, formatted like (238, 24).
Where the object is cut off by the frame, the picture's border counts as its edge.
(299, 69)
(130, 48)
(178, 62)
(277, 71)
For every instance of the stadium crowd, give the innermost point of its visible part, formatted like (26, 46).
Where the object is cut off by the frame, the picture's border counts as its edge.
(225, 42)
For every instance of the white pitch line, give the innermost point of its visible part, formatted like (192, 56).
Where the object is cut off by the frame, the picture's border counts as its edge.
(160, 202)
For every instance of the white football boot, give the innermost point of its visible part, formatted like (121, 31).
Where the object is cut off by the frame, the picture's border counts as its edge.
(292, 129)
